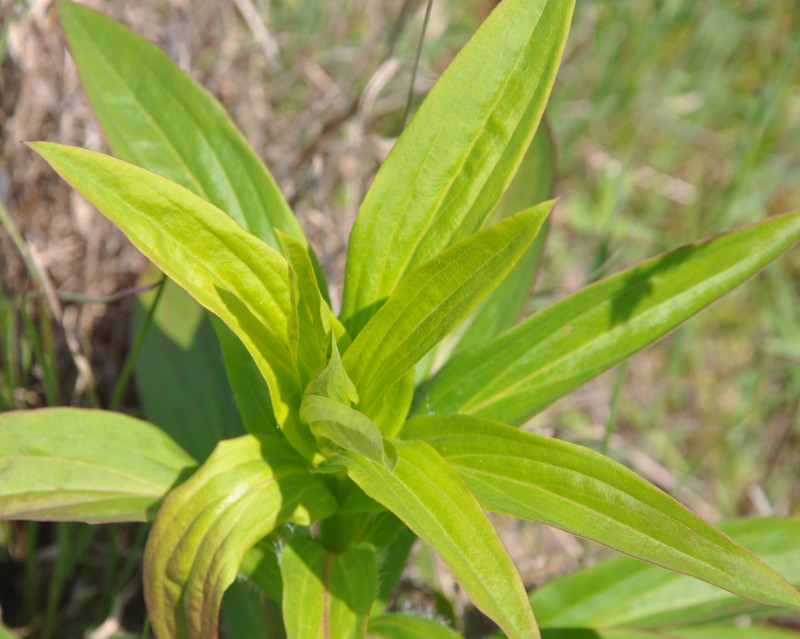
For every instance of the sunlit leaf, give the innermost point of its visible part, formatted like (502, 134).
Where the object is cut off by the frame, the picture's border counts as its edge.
(244, 490)
(425, 492)
(576, 489)
(155, 116)
(231, 272)
(70, 464)
(623, 592)
(432, 300)
(454, 160)
(533, 183)
(526, 368)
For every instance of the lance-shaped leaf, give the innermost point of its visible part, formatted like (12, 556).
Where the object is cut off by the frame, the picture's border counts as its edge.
(343, 425)
(326, 408)
(244, 490)
(622, 592)
(70, 464)
(409, 627)
(309, 323)
(533, 183)
(428, 496)
(576, 489)
(432, 301)
(454, 160)
(229, 271)
(502, 308)
(523, 370)
(326, 594)
(157, 117)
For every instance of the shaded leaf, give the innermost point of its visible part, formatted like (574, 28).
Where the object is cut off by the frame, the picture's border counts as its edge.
(395, 541)
(248, 615)
(260, 566)
(521, 371)
(244, 490)
(180, 374)
(454, 160)
(247, 383)
(71, 464)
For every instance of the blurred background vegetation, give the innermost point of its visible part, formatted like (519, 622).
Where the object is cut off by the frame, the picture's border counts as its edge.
(673, 120)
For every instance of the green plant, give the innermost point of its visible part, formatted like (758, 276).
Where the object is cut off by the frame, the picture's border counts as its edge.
(342, 434)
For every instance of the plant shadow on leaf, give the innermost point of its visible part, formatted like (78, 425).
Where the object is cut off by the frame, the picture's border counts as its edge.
(638, 285)
(362, 316)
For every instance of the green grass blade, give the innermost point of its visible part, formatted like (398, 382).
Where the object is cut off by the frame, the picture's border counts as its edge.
(229, 271)
(326, 594)
(428, 496)
(576, 489)
(432, 300)
(244, 490)
(458, 154)
(521, 371)
(69, 464)
(623, 592)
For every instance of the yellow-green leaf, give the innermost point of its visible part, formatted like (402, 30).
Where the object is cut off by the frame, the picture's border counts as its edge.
(526, 368)
(244, 490)
(71, 464)
(427, 495)
(432, 300)
(576, 489)
(454, 160)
